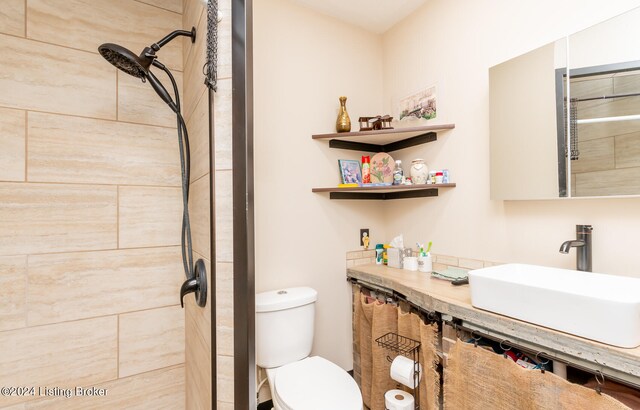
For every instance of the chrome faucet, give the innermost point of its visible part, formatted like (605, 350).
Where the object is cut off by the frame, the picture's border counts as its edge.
(582, 243)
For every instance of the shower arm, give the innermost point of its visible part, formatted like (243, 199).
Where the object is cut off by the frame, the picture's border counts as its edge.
(188, 33)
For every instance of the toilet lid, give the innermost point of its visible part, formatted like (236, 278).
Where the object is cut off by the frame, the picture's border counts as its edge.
(316, 384)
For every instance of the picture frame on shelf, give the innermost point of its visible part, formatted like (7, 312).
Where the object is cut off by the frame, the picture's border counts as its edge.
(350, 171)
(420, 105)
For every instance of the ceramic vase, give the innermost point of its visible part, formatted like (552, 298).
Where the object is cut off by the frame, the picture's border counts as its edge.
(343, 123)
(419, 171)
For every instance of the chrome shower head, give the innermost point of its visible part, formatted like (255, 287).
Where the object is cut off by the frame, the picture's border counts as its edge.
(125, 60)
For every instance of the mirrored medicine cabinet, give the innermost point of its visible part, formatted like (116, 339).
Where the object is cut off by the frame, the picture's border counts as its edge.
(565, 118)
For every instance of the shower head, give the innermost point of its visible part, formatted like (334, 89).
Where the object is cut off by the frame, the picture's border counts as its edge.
(138, 66)
(127, 61)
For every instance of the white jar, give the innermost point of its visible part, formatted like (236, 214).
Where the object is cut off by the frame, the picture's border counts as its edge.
(419, 171)
(425, 264)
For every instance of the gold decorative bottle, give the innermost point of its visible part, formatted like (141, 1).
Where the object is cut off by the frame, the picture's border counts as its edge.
(343, 123)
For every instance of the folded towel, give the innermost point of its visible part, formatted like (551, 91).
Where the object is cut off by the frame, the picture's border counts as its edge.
(450, 274)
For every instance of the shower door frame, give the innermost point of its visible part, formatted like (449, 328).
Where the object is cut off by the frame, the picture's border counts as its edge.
(243, 194)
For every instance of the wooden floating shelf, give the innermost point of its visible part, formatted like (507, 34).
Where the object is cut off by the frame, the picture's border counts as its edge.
(384, 192)
(384, 140)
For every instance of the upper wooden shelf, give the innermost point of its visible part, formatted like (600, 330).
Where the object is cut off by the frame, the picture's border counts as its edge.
(384, 140)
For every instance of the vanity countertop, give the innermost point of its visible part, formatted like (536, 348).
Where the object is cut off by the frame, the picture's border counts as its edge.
(436, 295)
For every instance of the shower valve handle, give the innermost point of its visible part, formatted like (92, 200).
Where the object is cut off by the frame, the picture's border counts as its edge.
(196, 285)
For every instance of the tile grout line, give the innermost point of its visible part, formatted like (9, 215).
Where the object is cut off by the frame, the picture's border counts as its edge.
(91, 184)
(161, 8)
(94, 250)
(118, 347)
(118, 217)
(71, 48)
(26, 291)
(26, 10)
(26, 145)
(86, 117)
(117, 94)
(90, 318)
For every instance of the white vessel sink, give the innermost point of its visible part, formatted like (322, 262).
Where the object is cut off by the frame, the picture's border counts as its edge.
(604, 308)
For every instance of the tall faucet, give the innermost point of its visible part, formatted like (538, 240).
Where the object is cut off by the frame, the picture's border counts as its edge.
(582, 243)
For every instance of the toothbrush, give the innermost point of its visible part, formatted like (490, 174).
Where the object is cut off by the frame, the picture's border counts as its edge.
(429, 247)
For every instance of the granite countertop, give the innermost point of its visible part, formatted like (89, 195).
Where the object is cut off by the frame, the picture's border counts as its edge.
(436, 295)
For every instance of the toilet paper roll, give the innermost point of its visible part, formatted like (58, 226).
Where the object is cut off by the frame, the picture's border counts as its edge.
(398, 400)
(402, 371)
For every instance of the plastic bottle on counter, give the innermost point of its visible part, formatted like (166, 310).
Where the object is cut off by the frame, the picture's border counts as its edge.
(379, 252)
(366, 169)
(398, 173)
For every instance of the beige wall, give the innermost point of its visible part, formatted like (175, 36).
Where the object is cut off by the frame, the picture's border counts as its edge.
(198, 321)
(90, 208)
(303, 62)
(464, 42)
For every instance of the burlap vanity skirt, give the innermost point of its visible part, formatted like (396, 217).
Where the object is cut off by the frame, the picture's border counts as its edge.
(474, 379)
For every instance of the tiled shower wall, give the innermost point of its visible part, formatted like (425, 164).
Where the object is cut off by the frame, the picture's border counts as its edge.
(198, 321)
(90, 207)
(609, 161)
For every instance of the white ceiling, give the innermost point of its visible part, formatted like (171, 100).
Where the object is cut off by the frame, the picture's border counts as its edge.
(373, 15)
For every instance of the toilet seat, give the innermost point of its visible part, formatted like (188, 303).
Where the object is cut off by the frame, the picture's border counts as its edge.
(315, 383)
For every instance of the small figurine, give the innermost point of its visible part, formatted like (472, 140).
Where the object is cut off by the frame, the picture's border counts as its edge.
(365, 240)
(375, 123)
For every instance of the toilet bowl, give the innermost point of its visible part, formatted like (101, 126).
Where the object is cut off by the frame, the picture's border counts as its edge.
(284, 336)
(313, 383)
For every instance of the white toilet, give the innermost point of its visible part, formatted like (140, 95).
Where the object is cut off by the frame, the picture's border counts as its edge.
(284, 335)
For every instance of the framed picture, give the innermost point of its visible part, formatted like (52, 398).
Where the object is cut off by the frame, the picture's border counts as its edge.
(420, 105)
(350, 171)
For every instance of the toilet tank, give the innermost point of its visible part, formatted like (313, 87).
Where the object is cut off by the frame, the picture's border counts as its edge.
(284, 325)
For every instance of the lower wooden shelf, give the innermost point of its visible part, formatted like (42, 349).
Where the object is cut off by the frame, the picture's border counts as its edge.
(384, 192)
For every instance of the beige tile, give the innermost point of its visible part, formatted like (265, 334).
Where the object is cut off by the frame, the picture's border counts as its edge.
(200, 215)
(162, 389)
(193, 9)
(490, 264)
(193, 77)
(139, 103)
(102, 283)
(439, 267)
(149, 216)
(224, 306)
(12, 17)
(595, 155)
(40, 218)
(588, 132)
(225, 379)
(224, 42)
(222, 127)
(82, 150)
(447, 260)
(198, 348)
(592, 87)
(623, 181)
(354, 255)
(224, 216)
(626, 84)
(74, 82)
(609, 108)
(171, 5)
(80, 353)
(13, 290)
(12, 144)
(470, 263)
(198, 125)
(84, 24)
(224, 406)
(627, 150)
(150, 340)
